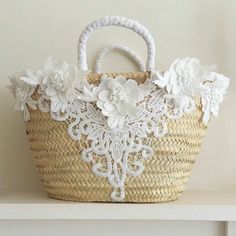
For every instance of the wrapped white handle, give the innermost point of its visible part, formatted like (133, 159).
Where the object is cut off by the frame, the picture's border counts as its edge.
(121, 48)
(116, 21)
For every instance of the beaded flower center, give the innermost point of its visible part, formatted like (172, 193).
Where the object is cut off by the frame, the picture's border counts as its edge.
(117, 93)
(58, 80)
(117, 96)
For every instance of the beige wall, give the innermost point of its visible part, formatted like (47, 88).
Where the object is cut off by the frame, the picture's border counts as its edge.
(32, 30)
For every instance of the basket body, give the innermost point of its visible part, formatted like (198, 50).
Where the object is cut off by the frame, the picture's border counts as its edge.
(66, 176)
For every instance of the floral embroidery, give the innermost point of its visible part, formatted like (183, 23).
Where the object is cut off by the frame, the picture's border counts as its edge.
(119, 115)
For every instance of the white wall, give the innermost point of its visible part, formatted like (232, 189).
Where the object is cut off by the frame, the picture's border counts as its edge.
(32, 30)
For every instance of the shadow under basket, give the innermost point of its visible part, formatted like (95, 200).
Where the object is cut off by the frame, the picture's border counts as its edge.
(66, 176)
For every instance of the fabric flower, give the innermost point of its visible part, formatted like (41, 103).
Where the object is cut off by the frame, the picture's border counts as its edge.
(23, 91)
(118, 98)
(183, 80)
(60, 82)
(183, 77)
(216, 87)
(32, 78)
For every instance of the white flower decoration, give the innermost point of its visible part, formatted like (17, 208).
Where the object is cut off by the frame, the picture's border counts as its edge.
(22, 91)
(216, 89)
(60, 82)
(183, 80)
(117, 98)
(184, 77)
(32, 79)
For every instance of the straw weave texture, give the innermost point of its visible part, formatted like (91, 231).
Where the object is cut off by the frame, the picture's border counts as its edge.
(66, 176)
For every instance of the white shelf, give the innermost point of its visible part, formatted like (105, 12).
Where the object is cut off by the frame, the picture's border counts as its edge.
(193, 205)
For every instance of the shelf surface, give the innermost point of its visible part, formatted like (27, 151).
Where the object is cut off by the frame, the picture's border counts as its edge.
(193, 205)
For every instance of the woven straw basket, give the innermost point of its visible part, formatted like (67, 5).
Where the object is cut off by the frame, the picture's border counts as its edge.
(66, 176)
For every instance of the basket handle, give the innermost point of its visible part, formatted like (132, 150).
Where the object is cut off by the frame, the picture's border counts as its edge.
(117, 47)
(116, 21)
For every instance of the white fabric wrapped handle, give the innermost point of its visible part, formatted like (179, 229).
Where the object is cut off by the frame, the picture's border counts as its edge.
(121, 48)
(116, 21)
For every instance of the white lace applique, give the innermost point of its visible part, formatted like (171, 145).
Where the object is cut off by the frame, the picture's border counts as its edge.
(216, 88)
(116, 150)
(118, 115)
(187, 78)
